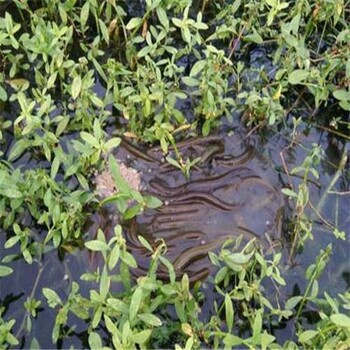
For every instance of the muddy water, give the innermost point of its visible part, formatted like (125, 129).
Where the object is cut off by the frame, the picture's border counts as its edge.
(232, 191)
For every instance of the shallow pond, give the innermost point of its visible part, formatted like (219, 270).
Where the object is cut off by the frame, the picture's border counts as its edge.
(234, 190)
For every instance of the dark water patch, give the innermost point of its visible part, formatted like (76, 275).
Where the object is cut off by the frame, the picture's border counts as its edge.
(232, 191)
(28, 282)
(222, 194)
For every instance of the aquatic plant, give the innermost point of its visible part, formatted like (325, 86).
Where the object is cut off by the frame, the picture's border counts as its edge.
(79, 80)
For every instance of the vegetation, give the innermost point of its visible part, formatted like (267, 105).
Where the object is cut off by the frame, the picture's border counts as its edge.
(158, 71)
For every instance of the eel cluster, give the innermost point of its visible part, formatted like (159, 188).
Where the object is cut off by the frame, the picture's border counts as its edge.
(229, 193)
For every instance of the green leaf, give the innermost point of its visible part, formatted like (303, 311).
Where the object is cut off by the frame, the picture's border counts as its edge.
(54, 167)
(135, 303)
(114, 257)
(239, 258)
(170, 267)
(99, 70)
(11, 242)
(162, 16)
(52, 297)
(128, 259)
(10, 191)
(104, 31)
(342, 95)
(177, 22)
(314, 290)
(150, 319)
(307, 336)
(96, 101)
(144, 51)
(172, 161)
(27, 256)
(112, 328)
(84, 14)
(189, 81)
(3, 94)
(292, 302)
(294, 24)
(90, 139)
(332, 303)
(345, 105)
(17, 150)
(95, 341)
(266, 340)
(164, 145)
(133, 23)
(198, 67)
(11, 339)
(97, 246)
(186, 35)
(289, 192)
(34, 344)
(112, 143)
(255, 37)
(142, 337)
(132, 212)
(51, 80)
(5, 271)
(298, 76)
(76, 86)
(55, 332)
(152, 202)
(200, 26)
(180, 311)
(257, 326)
(117, 305)
(62, 125)
(104, 282)
(18, 83)
(232, 340)
(145, 243)
(97, 130)
(122, 185)
(229, 312)
(206, 128)
(283, 5)
(341, 320)
(96, 316)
